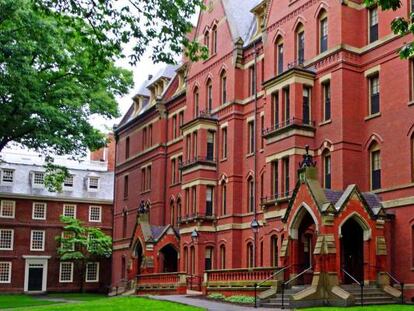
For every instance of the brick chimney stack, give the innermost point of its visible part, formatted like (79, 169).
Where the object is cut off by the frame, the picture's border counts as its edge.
(106, 154)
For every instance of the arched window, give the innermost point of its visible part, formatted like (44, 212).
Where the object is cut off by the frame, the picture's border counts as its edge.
(375, 166)
(172, 211)
(196, 102)
(209, 87)
(208, 258)
(222, 257)
(279, 55)
(223, 87)
(274, 251)
(123, 267)
(300, 44)
(250, 255)
(250, 193)
(207, 40)
(214, 31)
(223, 198)
(178, 211)
(186, 259)
(327, 169)
(412, 157)
(192, 260)
(323, 31)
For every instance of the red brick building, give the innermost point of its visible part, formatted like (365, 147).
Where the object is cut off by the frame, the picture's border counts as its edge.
(208, 152)
(29, 222)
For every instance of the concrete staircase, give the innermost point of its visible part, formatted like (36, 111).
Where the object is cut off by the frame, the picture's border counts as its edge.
(372, 295)
(276, 301)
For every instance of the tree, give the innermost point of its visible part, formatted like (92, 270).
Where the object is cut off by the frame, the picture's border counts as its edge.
(81, 244)
(400, 25)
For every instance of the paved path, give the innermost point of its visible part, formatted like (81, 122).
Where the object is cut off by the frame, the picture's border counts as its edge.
(207, 304)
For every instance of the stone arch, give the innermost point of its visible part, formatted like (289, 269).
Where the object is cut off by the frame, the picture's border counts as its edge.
(322, 7)
(300, 21)
(280, 34)
(374, 137)
(297, 220)
(168, 255)
(361, 221)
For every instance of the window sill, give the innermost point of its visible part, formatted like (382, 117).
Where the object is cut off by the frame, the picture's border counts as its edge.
(249, 155)
(411, 103)
(325, 122)
(145, 191)
(372, 116)
(175, 184)
(261, 150)
(223, 160)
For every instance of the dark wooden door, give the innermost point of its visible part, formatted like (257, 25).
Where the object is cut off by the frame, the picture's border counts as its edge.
(35, 279)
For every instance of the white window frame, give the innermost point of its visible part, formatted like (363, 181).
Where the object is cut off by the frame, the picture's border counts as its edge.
(2, 208)
(2, 176)
(69, 187)
(60, 272)
(89, 183)
(9, 263)
(100, 213)
(72, 248)
(37, 185)
(43, 241)
(97, 272)
(33, 211)
(11, 240)
(74, 210)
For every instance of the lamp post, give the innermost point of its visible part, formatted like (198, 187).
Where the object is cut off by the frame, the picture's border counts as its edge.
(255, 228)
(194, 238)
(194, 235)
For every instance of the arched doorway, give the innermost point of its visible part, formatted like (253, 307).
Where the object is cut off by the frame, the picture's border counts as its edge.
(352, 250)
(138, 256)
(168, 259)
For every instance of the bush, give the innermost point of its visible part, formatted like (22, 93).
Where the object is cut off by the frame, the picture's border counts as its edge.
(217, 296)
(240, 299)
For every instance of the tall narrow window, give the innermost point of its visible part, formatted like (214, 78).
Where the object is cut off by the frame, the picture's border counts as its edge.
(223, 88)
(178, 211)
(180, 122)
(374, 94)
(279, 56)
(326, 87)
(286, 98)
(207, 40)
(194, 200)
(187, 202)
(173, 172)
(275, 179)
(192, 260)
(261, 131)
(148, 177)
(327, 170)
(126, 186)
(124, 224)
(150, 135)
(174, 127)
(375, 168)
(195, 145)
(127, 148)
(186, 259)
(250, 255)
(412, 157)
(209, 96)
(252, 81)
(306, 105)
(223, 199)
(188, 147)
(209, 201)
(275, 109)
(373, 24)
(196, 103)
(300, 44)
(250, 127)
(222, 257)
(214, 39)
(287, 175)
(208, 258)
(274, 251)
(180, 171)
(323, 32)
(210, 146)
(224, 143)
(250, 186)
(172, 210)
(144, 138)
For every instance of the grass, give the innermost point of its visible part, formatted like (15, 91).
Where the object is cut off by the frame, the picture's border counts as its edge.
(16, 301)
(77, 296)
(115, 304)
(365, 308)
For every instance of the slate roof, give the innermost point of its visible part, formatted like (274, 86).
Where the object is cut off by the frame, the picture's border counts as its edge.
(372, 199)
(157, 231)
(24, 165)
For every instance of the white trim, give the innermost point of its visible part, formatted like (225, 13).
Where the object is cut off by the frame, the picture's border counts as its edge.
(98, 184)
(74, 212)
(33, 209)
(7, 183)
(11, 242)
(10, 272)
(60, 272)
(38, 186)
(1, 209)
(43, 241)
(97, 272)
(39, 260)
(100, 213)
(360, 220)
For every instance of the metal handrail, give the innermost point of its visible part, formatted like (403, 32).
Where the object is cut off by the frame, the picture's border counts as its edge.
(361, 284)
(395, 280)
(192, 277)
(256, 285)
(291, 280)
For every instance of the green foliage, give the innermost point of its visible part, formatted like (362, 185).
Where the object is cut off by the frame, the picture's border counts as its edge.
(400, 25)
(217, 296)
(82, 243)
(240, 299)
(55, 73)
(19, 301)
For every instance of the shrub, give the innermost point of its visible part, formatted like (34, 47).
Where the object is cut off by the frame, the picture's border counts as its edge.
(240, 299)
(217, 296)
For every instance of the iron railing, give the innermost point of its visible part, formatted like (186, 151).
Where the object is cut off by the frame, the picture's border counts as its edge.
(393, 278)
(197, 159)
(285, 284)
(257, 285)
(288, 123)
(195, 216)
(361, 284)
(276, 197)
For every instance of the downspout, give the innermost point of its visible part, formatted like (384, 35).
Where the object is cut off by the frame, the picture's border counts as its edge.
(255, 151)
(165, 169)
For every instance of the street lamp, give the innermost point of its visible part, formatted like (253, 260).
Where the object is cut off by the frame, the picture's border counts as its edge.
(194, 235)
(255, 228)
(255, 225)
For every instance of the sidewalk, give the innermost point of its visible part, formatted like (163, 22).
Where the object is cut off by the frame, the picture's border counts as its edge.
(209, 305)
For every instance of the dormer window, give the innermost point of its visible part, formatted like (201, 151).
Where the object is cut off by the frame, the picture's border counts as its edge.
(93, 183)
(7, 176)
(68, 182)
(260, 12)
(38, 179)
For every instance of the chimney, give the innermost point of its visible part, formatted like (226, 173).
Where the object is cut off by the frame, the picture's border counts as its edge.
(106, 154)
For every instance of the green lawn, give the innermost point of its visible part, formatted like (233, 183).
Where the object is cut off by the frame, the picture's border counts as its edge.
(366, 308)
(14, 301)
(115, 304)
(77, 296)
